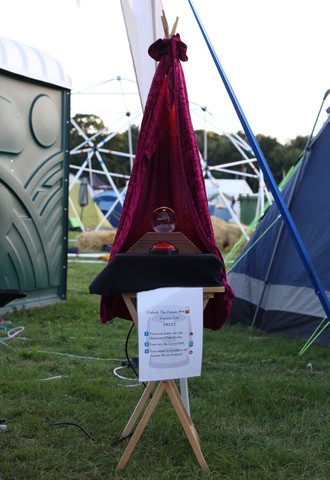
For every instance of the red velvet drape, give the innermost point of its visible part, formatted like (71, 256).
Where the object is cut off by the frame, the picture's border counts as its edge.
(167, 171)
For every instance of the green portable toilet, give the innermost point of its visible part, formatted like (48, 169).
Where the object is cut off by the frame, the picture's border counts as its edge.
(34, 166)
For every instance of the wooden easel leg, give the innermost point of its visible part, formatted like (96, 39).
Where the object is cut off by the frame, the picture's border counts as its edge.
(186, 423)
(138, 409)
(141, 426)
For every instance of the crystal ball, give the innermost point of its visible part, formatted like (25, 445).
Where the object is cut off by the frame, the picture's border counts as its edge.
(163, 220)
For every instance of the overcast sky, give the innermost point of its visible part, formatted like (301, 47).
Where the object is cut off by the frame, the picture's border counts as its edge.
(274, 54)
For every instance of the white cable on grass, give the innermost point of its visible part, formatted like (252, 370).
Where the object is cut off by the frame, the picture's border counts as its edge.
(14, 332)
(115, 371)
(81, 356)
(51, 378)
(3, 342)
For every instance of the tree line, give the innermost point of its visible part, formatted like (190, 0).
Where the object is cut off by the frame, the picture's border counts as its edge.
(220, 149)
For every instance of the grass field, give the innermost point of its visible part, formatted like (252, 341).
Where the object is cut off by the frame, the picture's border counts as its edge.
(261, 411)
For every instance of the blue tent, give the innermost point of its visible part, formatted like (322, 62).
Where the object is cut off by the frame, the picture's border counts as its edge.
(105, 200)
(273, 291)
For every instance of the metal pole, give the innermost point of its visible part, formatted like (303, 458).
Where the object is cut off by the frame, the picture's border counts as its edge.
(130, 144)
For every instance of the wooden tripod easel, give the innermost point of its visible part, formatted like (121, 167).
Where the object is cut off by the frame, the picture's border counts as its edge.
(172, 391)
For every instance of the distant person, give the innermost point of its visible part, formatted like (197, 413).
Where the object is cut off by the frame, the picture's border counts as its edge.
(233, 204)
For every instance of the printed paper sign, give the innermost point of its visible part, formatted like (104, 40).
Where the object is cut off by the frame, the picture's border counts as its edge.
(170, 329)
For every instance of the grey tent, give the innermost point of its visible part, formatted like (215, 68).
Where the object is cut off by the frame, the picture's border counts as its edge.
(273, 291)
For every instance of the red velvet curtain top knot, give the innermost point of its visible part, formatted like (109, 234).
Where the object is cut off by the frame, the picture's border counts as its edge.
(162, 47)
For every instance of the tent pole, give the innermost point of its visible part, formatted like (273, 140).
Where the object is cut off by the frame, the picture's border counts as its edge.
(288, 220)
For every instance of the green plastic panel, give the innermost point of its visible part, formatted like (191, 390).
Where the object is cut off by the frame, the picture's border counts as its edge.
(34, 156)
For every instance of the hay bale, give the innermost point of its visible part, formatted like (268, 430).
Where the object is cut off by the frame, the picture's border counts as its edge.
(226, 234)
(93, 240)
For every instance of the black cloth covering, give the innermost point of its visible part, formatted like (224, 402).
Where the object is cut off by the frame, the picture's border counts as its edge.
(141, 272)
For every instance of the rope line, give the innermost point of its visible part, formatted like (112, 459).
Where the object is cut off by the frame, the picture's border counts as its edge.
(317, 332)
